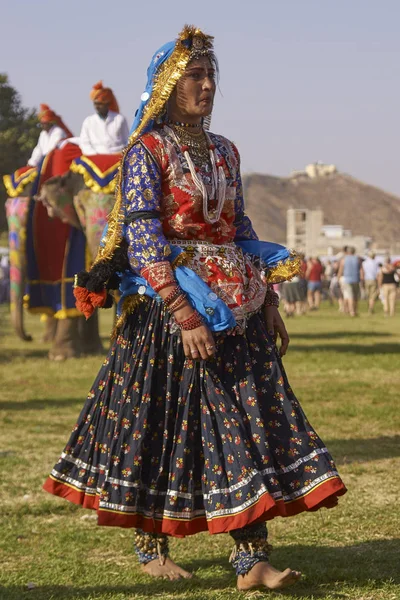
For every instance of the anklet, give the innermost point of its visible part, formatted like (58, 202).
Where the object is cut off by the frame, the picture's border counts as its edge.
(250, 547)
(149, 546)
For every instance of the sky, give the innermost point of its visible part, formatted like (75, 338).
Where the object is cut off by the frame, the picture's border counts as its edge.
(300, 80)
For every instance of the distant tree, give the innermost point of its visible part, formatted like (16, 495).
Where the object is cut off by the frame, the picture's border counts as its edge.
(18, 136)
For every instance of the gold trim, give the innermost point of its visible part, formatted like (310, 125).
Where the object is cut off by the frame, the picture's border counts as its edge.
(15, 192)
(91, 183)
(96, 169)
(167, 77)
(128, 306)
(63, 313)
(285, 270)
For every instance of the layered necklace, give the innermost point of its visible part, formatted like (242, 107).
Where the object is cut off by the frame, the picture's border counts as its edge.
(198, 149)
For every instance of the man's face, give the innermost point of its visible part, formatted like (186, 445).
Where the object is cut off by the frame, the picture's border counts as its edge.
(46, 126)
(101, 108)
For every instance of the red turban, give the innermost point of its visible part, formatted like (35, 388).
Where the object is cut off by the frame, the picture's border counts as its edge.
(105, 95)
(46, 115)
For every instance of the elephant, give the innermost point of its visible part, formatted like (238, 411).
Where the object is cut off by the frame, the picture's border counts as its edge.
(71, 335)
(68, 198)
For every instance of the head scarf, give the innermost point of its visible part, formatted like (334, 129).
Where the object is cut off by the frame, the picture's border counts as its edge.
(104, 95)
(166, 68)
(46, 115)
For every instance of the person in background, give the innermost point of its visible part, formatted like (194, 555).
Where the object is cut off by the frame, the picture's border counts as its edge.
(105, 132)
(326, 282)
(351, 271)
(388, 282)
(370, 270)
(314, 276)
(335, 290)
(301, 305)
(53, 131)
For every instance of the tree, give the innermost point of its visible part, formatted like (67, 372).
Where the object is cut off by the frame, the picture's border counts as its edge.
(18, 136)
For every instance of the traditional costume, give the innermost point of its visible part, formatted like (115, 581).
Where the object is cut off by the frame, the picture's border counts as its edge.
(48, 140)
(107, 135)
(166, 444)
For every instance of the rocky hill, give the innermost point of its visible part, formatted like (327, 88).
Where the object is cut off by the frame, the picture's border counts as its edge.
(364, 209)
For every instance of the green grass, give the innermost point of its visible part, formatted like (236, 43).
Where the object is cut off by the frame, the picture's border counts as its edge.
(346, 374)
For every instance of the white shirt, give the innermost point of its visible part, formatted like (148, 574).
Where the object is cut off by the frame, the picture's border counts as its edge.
(104, 136)
(370, 268)
(47, 141)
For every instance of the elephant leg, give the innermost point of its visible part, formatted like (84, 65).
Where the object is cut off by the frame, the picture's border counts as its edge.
(89, 335)
(66, 343)
(50, 328)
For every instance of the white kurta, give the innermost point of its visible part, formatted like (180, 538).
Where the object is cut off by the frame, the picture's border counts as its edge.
(47, 141)
(104, 136)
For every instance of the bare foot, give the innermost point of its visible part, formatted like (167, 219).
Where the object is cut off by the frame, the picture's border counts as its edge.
(264, 574)
(169, 570)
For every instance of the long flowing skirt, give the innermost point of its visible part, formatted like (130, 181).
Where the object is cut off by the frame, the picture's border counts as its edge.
(177, 446)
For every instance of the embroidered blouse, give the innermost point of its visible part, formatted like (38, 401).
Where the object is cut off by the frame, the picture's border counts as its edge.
(157, 178)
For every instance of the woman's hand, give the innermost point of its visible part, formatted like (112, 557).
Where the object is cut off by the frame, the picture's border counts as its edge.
(276, 326)
(198, 343)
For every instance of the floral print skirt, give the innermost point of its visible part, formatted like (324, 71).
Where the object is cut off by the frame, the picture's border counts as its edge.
(177, 446)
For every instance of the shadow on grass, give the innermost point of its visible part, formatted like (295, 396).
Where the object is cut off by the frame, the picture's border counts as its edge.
(332, 335)
(9, 354)
(349, 348)
(328, 571)
(42, 404)
(364, 450)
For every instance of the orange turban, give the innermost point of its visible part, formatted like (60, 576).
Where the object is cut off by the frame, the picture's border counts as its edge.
(46, 115)
(105, 95)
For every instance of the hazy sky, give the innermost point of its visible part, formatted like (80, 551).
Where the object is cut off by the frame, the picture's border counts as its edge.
(301, 80)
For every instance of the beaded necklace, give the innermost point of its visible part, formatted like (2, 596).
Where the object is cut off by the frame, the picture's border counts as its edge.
(218, 187)
(186, 125)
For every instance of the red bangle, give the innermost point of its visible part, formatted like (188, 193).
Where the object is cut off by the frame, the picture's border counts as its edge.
(193, 322)
(172, 295)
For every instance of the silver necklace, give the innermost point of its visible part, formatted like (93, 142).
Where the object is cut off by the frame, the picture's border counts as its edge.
(218, 187)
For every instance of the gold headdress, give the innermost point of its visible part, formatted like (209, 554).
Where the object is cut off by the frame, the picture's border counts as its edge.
(166, 68)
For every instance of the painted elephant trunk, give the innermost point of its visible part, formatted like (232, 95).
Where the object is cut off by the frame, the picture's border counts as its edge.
(17, 213)
(17, 315)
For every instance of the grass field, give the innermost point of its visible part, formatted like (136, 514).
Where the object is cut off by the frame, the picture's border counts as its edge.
(346, 373)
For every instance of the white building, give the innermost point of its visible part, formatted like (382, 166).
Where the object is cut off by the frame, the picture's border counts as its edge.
(306, 232)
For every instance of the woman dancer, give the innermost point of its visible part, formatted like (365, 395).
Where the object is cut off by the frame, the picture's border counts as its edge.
(191, 424)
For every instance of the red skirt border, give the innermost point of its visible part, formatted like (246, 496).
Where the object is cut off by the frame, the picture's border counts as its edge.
(266, 508)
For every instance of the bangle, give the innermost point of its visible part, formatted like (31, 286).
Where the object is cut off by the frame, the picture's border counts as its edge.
(172, 296)
(194, 321)
(271, 299)
(181, 299)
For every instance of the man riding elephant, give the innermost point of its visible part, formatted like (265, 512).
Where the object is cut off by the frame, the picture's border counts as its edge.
(53, 131)
(86, 191)
(107, 131)
(46, 252)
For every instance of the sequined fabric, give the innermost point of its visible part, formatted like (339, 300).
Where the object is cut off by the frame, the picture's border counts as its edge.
(157, 178)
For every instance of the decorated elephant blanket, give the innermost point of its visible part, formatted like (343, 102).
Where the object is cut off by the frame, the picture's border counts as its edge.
(17, 181)
(98, 171)
(55, 251)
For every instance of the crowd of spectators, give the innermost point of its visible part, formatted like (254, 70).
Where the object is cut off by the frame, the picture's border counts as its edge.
(343, 280)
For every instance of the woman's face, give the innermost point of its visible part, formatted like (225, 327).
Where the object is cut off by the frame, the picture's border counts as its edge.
(193, 95)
